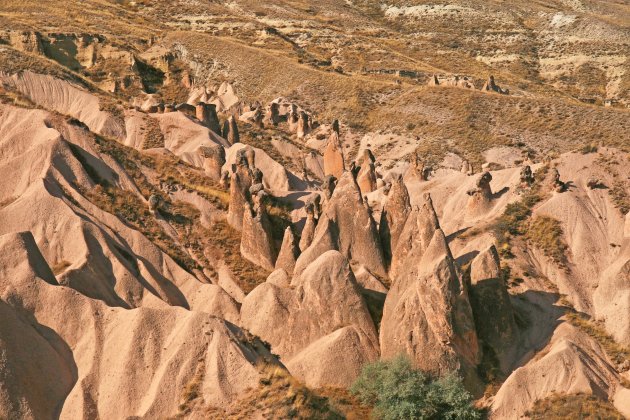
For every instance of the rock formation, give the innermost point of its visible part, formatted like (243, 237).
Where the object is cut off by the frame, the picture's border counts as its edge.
(302, 322)
(427, 315)
(240, 182)
(333, 156)
(417, 231)
(467, 168)
(289, 252)
(257, 244)
(366, 178)
(556, 184)
(303, 126)
(481, 194)
(272, 116)
(155, 202)
(308, 231)
(214, 159)
(293, 118)
(572, 363)
(346, 225)
(526, 176)
(328, 186)
(230, 130)
(491, 86)
(490, 301)
(394, 215)
(417, 171)
(207, 115)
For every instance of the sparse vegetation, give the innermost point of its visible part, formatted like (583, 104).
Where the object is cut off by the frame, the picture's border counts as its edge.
(513, 221)
(228, 242)
(617, 352)
(546, 234)
(398, 391)
(279, 396)
(574, 406)
(620, 197)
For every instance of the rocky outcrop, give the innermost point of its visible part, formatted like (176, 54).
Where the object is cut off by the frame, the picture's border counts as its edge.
(571, 363)
(257, 244)
(240, 182)
(427, 315)
(554, 181)
(333, 156)
(292, 118)
(366, 178)
(417, 171)
(230, 130)
(289, 252)
(491, 86)
(214, 159)
(463, 82)
(303, 125)
(394, 215)
(492, 309)
(467, 168)
(27, 41)
(61, 375)
(526, 176)
(481, 194)
(418, 229)
(272, 116)
(302, 322)
(155, 202)
(207, 115)
(308, 232)
(346, 225)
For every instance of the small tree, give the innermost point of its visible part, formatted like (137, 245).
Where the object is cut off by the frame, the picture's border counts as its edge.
(398, 391)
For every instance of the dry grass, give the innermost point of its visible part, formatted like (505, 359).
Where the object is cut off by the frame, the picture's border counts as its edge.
(227, 241)
(575, 406)
(546, 234)
(617, 352)
(153, 136)
(620, 197)
(513, 221)
(60, 266)
(280, 396)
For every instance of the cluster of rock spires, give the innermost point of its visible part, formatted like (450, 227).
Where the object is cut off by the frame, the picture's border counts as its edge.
(279, 111)
(466, 82)
(433, 312)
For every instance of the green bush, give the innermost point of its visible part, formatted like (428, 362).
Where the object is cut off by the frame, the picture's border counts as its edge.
(398, 391)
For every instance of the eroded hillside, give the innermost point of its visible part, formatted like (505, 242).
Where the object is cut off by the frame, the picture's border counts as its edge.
(215, 210)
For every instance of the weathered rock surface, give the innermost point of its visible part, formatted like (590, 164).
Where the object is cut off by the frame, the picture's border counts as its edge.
(427, 314)
(571, 363)
(346, 225)
(333, 156)
(417, 231)
(230, 130)
(214, 159)
(394, 215)
(240, 182)
(62, 374)
(289, 252)
(492, 310)
(297, 321)
(366, 178)
(257, 244)
(207, 115)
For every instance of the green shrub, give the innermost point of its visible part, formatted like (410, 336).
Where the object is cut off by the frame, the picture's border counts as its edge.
(398, 391)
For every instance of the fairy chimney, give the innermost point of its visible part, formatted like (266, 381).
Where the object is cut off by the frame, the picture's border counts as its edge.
(230, 130)
(333, 156)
